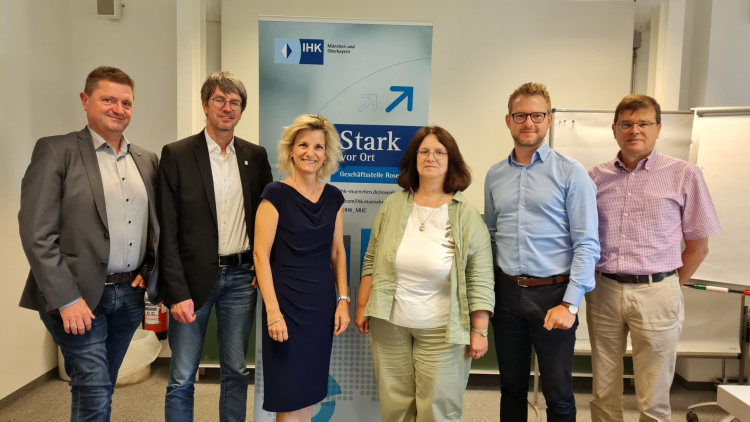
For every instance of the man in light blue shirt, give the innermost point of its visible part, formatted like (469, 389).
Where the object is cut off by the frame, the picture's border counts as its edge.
(540, 208)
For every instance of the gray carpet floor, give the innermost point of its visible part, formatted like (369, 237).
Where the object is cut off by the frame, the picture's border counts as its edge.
(144, 401)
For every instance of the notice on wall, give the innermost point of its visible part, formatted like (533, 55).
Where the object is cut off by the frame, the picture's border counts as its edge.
(372, 81)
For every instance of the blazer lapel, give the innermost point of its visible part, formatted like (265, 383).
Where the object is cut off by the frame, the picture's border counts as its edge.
(243, 161)
(204, 165)
(88, 154)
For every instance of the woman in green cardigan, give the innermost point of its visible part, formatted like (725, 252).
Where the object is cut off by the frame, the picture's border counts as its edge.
(426, 293)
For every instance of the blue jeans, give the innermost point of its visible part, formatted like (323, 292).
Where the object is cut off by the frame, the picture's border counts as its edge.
(93, 359)
(234, 298)
(518, 324)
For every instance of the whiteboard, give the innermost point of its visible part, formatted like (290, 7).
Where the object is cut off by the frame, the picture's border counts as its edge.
(586, 135)
(722, 149)
(712, 320)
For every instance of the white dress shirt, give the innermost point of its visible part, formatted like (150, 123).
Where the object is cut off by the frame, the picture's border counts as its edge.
(230, 202)
(126, 202)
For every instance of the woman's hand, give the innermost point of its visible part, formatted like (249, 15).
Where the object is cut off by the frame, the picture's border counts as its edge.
(361, 321)
(478, 346)
(277, 331)
(341, 320)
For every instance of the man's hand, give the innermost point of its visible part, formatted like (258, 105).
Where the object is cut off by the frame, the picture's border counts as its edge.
(138, 282)
(478, 345)
(255, 278)
(77, 318)
(184, 311)
(559, 318)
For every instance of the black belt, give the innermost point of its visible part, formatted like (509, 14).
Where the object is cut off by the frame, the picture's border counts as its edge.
(235, 259)
(635, 279)
(118, 278)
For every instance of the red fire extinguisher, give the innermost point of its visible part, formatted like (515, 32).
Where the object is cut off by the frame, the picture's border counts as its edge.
(156, 319)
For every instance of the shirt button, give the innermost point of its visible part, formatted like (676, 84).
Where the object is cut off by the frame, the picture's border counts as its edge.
(131, 244)
(123, 178)
(129, 222)
(629, 193)
(128, 265)
(521, 206)
(623, 235)
(127, 200)
(521, 246)
(523, 187)
(520, 227)
(626, 214)
(523, 266)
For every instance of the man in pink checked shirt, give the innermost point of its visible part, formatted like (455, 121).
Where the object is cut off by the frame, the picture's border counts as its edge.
(648, 204)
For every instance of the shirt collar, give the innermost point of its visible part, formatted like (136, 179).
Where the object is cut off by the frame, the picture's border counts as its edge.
(644, 164)
(540, 154)
(100, 143)
(214, 147)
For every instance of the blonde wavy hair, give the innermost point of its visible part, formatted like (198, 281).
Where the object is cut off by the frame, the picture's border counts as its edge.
(312, 122)
(530, 89)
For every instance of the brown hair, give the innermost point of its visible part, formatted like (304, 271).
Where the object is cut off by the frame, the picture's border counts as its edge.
(530, 89)
(458, 176)
(107, 73)
(227, 83)
(638, 102)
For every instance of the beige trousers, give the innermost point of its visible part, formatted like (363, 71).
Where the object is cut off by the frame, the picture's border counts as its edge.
(420, 376)
(653, 314)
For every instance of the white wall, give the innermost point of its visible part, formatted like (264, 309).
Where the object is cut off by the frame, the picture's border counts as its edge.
(729, 54)
(482, 51)
(642, 63)
(46, 50)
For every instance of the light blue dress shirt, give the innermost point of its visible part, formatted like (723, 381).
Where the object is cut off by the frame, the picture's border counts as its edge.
(543, 220)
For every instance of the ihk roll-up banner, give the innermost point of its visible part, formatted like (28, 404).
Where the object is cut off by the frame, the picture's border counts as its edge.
(372, 81)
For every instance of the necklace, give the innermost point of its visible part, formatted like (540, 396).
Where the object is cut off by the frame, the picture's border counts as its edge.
(419, 213)
(303, 192)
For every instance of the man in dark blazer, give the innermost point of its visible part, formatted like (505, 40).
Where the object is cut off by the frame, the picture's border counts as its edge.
(209, 189)
(89, 230)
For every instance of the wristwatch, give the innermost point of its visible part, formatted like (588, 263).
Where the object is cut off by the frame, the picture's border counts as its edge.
(482, 333)
(573, 309)
(344, 297)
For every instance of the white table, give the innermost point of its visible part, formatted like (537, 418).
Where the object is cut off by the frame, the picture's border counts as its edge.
(735, 399)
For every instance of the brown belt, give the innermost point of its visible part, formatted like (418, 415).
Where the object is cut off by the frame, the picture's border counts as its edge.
(526, 281)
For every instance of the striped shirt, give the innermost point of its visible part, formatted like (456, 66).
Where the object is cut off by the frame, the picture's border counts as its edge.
(644, 214)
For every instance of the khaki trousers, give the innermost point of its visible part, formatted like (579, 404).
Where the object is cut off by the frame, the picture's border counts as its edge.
(653, 314)
(420, 376)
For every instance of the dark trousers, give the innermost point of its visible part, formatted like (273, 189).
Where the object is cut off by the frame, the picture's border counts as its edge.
(93, 359)
(518, 324)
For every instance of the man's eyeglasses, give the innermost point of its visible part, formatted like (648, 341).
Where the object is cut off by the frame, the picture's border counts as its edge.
(438, 154)
(626, 125)
(219, 103)
(520, 118)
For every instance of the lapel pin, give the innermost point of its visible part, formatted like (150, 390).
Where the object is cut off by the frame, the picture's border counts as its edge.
(245, 162)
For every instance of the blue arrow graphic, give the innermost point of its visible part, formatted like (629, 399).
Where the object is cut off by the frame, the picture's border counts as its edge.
(408, 93)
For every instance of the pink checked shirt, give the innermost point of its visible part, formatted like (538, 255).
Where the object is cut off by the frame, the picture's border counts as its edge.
(644, 214)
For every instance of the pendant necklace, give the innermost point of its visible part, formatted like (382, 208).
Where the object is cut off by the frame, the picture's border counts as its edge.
(303, 192)
(419, 213)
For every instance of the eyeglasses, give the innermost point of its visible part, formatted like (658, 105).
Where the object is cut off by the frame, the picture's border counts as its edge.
(438, 154)
(535, 117)
(626, 125)
(219, 103)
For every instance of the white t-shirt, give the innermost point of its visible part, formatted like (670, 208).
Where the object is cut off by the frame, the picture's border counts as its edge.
(423, 264)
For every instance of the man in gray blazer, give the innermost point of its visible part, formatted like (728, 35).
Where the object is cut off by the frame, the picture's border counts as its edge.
(89, 230)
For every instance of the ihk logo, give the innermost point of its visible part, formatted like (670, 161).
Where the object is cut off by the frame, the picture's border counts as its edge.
(298, 51)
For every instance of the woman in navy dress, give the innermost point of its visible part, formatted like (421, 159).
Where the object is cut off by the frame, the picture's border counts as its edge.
(300, 262)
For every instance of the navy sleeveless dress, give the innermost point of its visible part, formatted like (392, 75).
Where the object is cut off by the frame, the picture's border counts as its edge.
(295, 372)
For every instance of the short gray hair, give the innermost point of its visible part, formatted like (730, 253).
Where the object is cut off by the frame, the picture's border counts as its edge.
(227, 83)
